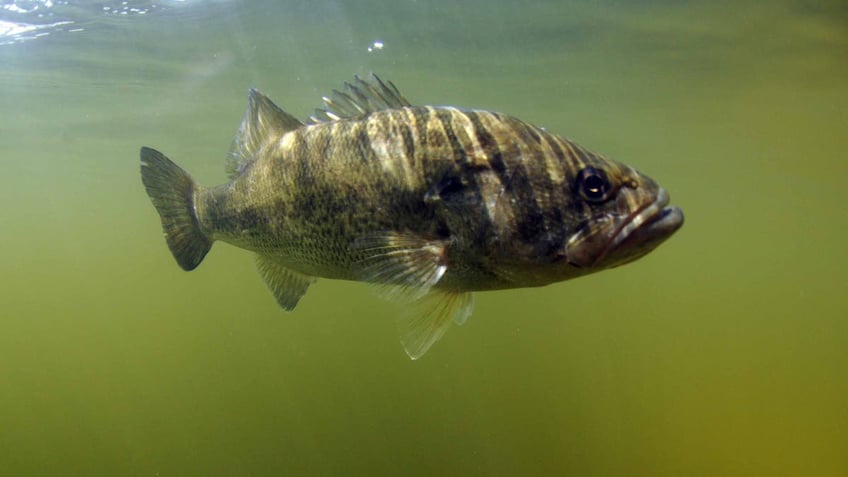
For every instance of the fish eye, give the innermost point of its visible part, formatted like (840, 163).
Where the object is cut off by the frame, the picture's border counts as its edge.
(593, 185)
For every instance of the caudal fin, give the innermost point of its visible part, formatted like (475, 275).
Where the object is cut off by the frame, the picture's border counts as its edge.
(171, 190)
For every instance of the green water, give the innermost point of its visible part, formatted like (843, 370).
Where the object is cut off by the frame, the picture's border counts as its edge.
(724, 352)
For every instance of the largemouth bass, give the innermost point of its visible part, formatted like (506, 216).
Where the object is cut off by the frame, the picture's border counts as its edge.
(427, 203)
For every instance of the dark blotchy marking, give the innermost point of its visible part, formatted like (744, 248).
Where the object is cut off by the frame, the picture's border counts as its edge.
(408, 141)
(557, 218)
(444, 116)
(489, 145)
(419, 120)
(386, 124)
(359, 134)
(577, 153)
(251, 220)
(299, 152)
(531, 226)
(322, 138)
(450, 188)
(391, 126)
(213, 213)
(529, 216)
(224, 213)
(526, 133)
(574, 208)
(554, 145)
(534, 133)
(298, 146)
(551, 242)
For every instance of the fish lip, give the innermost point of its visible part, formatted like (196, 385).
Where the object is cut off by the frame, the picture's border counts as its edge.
(648, 214)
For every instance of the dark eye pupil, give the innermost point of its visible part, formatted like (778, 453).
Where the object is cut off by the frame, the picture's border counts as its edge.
(593, 184)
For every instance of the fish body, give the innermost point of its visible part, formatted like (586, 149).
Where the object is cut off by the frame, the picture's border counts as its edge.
(427, 203)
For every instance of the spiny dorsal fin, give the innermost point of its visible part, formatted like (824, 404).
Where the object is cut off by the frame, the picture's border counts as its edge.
(263, 122)
(359, 98)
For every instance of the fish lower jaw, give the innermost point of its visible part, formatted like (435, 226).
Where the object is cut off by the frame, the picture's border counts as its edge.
(644, 229)
(643, 215)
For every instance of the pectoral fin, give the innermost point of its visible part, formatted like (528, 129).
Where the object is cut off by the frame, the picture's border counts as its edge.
(426, 319)
(287, 285)
(405, 268)
(402, 267)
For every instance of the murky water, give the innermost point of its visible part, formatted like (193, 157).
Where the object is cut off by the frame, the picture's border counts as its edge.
(725, 352)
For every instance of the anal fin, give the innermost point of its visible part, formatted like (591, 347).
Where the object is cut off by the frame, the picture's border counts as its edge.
(287, 285)
(425, 320)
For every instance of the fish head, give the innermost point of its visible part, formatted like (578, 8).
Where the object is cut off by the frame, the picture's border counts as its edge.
(622, 216)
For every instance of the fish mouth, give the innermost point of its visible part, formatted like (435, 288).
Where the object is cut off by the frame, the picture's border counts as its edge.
(642, 230)
(612, 239)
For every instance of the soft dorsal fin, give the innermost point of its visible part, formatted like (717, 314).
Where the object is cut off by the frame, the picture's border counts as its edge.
(361, 97)
(263, 121)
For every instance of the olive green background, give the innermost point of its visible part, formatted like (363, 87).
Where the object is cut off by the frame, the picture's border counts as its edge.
(724, 352)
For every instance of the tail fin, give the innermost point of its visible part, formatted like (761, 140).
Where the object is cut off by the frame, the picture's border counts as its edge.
(171, 190)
